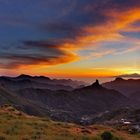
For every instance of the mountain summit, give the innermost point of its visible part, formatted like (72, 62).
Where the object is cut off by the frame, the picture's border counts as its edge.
(119, 79)
(96, 84)
(23, 76)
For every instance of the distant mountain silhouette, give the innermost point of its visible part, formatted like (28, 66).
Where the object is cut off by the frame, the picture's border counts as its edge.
(124, 86)
(42, 82)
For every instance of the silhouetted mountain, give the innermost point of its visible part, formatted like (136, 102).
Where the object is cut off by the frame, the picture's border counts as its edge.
(35, 98)
(95, 85)
(23, 76)
(26, 81)
(124, 86)
(39, 78)
(73, 105)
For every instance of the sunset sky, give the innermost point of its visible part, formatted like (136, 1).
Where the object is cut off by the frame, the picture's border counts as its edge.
(70, 38)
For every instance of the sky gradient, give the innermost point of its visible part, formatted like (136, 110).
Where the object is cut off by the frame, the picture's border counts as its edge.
(70, 38)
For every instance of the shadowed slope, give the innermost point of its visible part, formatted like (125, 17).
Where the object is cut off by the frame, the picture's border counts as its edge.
(124, 86)
(72, 105)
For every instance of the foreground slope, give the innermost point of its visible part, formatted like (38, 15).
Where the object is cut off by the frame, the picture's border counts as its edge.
(16, 125)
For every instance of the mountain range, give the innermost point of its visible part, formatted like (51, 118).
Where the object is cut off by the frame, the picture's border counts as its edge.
(64, 100)
(41, 82)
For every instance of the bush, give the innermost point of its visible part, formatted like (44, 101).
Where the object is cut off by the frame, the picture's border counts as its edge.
(132, 131)
(107, 135)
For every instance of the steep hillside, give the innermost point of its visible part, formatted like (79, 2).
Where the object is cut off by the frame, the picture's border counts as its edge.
(30, 107)
(16, 125)
(135, 96)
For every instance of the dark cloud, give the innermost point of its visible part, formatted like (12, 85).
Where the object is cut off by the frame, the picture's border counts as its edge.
(35, 53)
(85, 14)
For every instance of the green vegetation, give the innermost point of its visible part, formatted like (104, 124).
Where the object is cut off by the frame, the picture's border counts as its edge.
(16, 125)
(107, 136)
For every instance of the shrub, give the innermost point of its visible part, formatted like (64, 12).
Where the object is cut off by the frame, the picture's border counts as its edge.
(132, 131)
(107, 135)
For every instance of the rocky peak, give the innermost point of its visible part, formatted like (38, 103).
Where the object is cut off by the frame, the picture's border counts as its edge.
(96, 84)
(24, 76)
(119, 79)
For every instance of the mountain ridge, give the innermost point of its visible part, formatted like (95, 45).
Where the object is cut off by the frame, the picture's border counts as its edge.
(125, 86)
(64, 105)
(72, 105)
(27, 81)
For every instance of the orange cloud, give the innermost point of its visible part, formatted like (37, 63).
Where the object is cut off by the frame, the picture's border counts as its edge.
(110, 31)
(92, 34)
